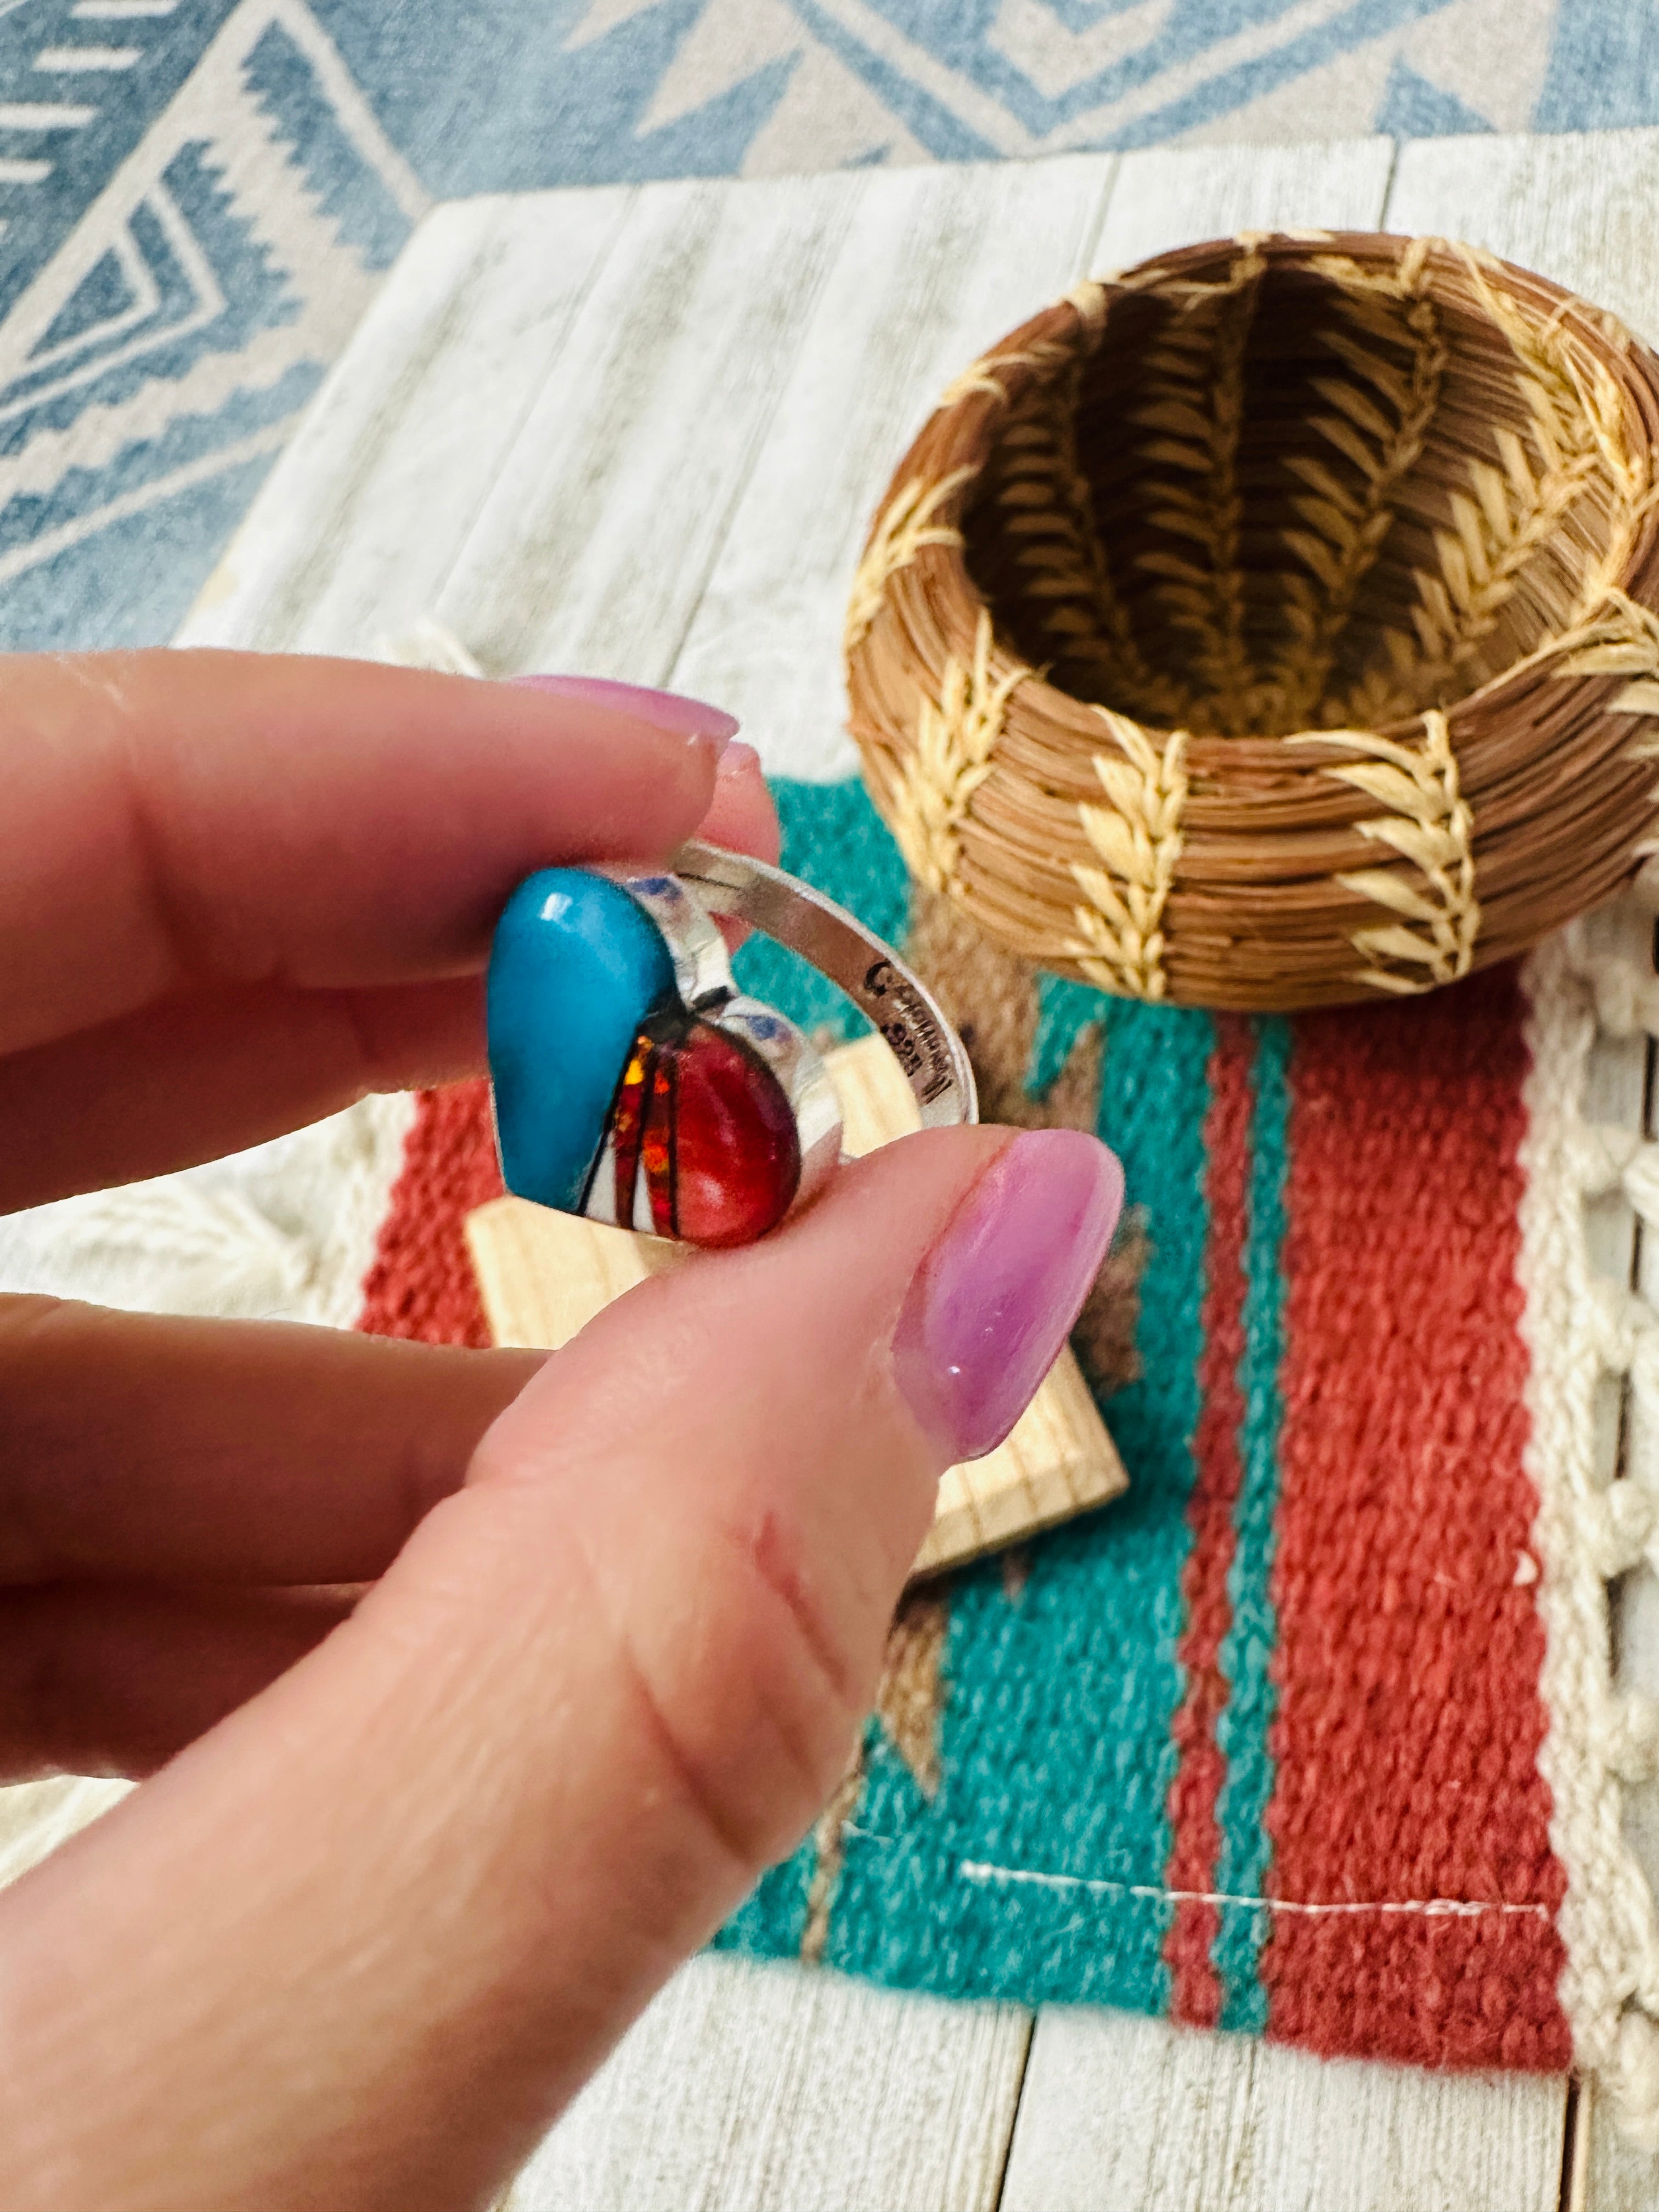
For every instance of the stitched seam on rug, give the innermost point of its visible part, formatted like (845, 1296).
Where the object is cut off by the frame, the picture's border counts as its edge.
(1439, 1908)
(1577, 1328)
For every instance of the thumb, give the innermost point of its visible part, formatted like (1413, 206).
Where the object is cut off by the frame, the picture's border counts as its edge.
(359, 1943)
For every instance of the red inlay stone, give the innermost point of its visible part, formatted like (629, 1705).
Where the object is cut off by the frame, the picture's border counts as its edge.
(658, 1148)
(736, 1154)
(628, 1125)
(706, 1123)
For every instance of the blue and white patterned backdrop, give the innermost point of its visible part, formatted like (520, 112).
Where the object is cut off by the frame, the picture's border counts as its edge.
(198, 197)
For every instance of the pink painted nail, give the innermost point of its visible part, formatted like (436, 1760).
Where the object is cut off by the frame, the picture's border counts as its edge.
(664, 710)
(738, 759)
(994, 1300)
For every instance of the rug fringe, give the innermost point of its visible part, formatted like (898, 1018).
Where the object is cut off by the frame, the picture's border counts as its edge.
(291, 1243)
(1596, 977)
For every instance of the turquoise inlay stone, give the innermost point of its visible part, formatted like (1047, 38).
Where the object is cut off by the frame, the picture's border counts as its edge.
(575, 967)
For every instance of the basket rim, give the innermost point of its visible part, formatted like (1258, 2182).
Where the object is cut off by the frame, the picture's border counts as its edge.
(1064, 325)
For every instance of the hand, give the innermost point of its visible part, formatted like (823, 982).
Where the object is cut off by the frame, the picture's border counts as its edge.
(415, 1853)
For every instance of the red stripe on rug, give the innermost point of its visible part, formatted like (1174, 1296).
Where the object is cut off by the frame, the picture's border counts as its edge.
(421, 1283)
(1195, 1836)
(1409, 1714)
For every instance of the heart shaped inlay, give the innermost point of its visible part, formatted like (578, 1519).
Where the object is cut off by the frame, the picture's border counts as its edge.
(632, 1084)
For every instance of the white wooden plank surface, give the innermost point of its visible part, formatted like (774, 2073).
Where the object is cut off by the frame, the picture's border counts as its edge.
(930, 274)
(1578, 208)
(594, 543)
(1610, 2175)
(1118, 2114)
(636, 483)
(808, 2090)
(373, 499)
(1170, 196)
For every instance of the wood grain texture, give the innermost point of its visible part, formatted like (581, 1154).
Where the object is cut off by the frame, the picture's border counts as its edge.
(1118, 2114)
(1172, 196)
(543, 1276)
(366, 512)
(776, 2090)
(1608, 2173)
(935, 264)
(1577, 209)
(593, 547)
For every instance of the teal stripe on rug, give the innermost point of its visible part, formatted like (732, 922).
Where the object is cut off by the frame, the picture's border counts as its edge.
(833, 838)
(1060, 1684)
(1057, 1755)
(1246, 1648)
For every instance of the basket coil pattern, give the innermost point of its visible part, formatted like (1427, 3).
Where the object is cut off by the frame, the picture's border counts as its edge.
(1273, 625)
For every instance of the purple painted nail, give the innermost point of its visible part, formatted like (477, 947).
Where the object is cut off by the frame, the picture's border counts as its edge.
(738, 759)
(664, 710)
(994, 1300)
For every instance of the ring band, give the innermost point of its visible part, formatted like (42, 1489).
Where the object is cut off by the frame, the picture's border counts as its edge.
(897, 1002)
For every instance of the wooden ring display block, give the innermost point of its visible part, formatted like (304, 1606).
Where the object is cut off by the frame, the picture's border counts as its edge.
(543, 1276)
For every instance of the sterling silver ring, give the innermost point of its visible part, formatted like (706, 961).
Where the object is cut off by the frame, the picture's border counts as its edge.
(635, 1083)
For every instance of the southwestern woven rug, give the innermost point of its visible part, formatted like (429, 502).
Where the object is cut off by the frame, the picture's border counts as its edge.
(1313, 1733)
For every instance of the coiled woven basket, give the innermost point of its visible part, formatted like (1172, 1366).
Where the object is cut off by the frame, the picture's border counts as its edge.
(1273, 625)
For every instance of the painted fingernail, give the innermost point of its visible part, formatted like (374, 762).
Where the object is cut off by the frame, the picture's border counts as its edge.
(993, 1302)
(664, 710)
(738, 759)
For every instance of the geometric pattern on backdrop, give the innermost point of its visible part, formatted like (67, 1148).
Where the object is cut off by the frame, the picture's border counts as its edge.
(198, 197)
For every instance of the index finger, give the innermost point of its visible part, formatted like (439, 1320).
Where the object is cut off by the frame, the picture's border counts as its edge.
(173, 819)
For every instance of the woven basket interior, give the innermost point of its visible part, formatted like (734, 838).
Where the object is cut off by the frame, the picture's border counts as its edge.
(1286, 495)
(1275, 625)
